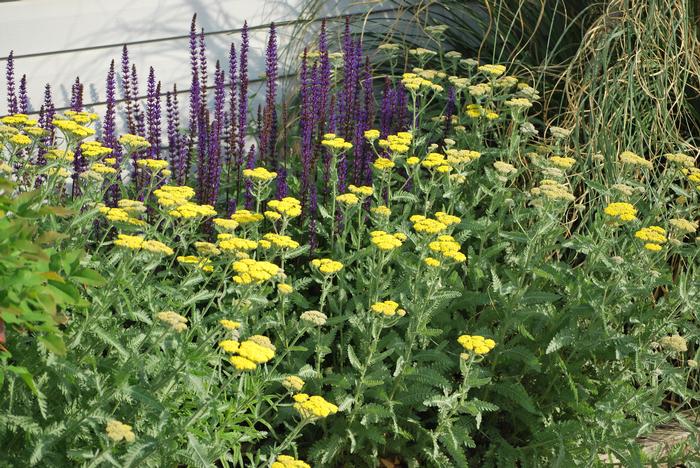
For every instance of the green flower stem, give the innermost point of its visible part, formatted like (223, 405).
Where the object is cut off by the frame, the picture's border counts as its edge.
(357, 397)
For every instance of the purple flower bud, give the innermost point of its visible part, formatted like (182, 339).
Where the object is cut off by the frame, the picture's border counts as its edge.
(23, 98)
(153, 114)
(126, 91)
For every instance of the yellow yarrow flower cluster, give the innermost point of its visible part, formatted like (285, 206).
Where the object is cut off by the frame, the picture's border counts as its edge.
(562, 162)
(518, 103)
(629, 157)
(20, 140)
(176, 321)
(253, 351)
(476, 110)
(477, 344)
(313, 406)
(279, 240)
(36, 132)
(436, 161)
(131, 206)
(684, 225)
(94, 149)
(386, 241)
(348, 199)
(81, 117)
(381, 210)
(118, 431)
(284, 288)
(190, 210)
(288, 206)
(362, 191)
(153, 164)
(327, 266)
(246, 217)
(259, 174)
(171, 195)
(133, 142)
(621, 211)
(432, 262)
(120, 215)
(229, 346)
(372, 135)
(203, 264)
(480, 90)
(457, 157)
(330, 140)
(56, 154)
(427, 225)
(447, 219)
(447, 247)
(285, 461)
(492, 70)
(138, 243)
(388, 308)
(681, 159)
(414, 83)
(654, 236)
(102, 168)
(254, 272)
(399, 143)
(73, 129)
(553, 190)
(230, 324)
(17, 119)
(292, 382)
(237, 244)
(207, 248)
(383, 164)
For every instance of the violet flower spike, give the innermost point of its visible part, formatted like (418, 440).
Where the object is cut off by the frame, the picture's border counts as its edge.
(10, 76)
(203, 66)
(268, 135)
(109, 137)
(23, 98)
(126, 90)
(242, 104)
(232, 123)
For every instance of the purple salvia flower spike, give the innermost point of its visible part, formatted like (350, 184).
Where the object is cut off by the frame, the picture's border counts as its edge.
(126, 91)
(109, 137)
(217, 132)
(10, 76)
(232, 123)
(242, 104)
(268, 135)
(203, 66)
(23, 98)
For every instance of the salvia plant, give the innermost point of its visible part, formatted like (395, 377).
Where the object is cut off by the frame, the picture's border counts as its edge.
(405, 269)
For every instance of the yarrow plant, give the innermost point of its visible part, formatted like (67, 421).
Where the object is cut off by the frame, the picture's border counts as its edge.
(408, 272)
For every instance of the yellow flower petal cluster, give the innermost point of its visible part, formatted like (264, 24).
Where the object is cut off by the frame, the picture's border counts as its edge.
(385, 241)
(251, 271)
(480, 90)
(654, 236)
(348, 199)
(313, 406)
(383, 164)
(681, 159)
(120, 215)
(414, 83)
(281, 241)
(200, 263)
(260, 174)
(225, 224)
(447, 247)
(285, 461)
(284, 288)
(477, 344)
(553, 190)
(492, 70)
(506, 82)
(361, 191)
(388, 308)
(57, 154)
(172, 195)
(330, 140)
(190, 210)
(207, 249)
(562, 162)
(118, 431)
(131, 206)
(20, 140)
(94, 149)
(229, 346)
(629, 157)
(133, 142)
(288, 206)
(435, 160)
(504, 167)
(102, 168)
(518, 103)
(72, 128)
(475, 111)
(176, 321)
(382, 210)
(314, 317)
(246, 217)
(427, 225)
(250, 354)
(684, 225)
(621, 211)
(292, 382)
(241, 363)
(230, 324)
(457, 157)
(153, 164)
(447, 219)
(326, 265)
(432, 262)
(234, 244)
(17, 119)
(399, 143)
(81, 117)
(372, 134)
(412, 160)
(36, 132)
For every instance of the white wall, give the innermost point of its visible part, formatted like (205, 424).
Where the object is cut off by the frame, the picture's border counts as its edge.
(56, 40)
